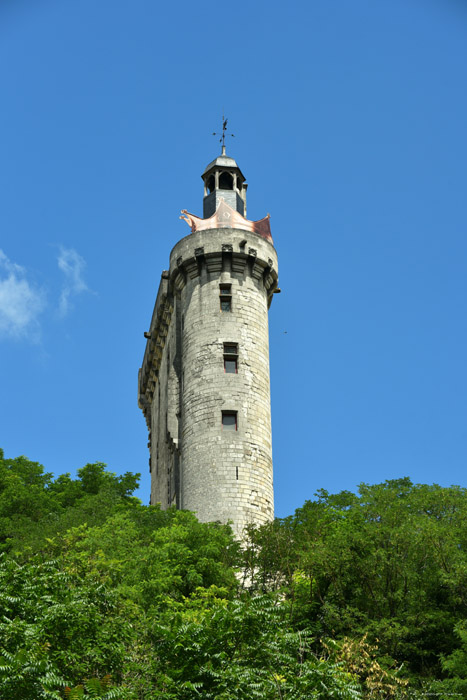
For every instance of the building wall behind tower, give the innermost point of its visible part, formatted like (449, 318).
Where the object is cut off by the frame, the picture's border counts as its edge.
(164, 425)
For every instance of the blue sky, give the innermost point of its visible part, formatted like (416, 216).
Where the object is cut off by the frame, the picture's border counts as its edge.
(350, 126)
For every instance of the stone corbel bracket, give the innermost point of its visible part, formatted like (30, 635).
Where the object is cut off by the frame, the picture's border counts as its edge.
(191, 267)
(215, 252)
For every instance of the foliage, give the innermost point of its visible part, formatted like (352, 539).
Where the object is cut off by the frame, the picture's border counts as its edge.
(151, 555)
(56, 631)
(360, 658)
(389, 562)
(34, 507)
(23, 495)
(354, 596)
(455, 667)
(221, 650)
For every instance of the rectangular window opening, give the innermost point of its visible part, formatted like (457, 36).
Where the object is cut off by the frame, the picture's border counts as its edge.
(230, 365)
(230, 358)
(229, 420)
(225, 295)
(230, 349)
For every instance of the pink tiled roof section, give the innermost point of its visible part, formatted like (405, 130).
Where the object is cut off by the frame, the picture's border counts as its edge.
(226, 217)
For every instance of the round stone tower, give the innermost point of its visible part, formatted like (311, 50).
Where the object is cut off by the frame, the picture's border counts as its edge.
(204, 383)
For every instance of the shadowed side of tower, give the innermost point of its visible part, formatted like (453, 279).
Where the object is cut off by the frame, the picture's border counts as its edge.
(204, 383)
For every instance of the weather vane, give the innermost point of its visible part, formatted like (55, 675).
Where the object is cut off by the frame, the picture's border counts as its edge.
(224, 134)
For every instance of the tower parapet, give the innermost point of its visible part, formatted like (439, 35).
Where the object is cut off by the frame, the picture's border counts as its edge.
(204, 383)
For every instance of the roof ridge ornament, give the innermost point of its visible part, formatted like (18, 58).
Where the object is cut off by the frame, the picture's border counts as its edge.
(224, 133)
(226, 217)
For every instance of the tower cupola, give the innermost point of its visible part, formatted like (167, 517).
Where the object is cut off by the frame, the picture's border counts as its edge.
(223, 179)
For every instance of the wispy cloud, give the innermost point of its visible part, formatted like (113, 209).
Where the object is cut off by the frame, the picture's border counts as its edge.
(21, 302)
(72, 265)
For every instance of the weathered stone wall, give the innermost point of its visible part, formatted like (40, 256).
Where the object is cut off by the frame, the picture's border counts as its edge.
(164, 426)
(196, 464)
(159, 396)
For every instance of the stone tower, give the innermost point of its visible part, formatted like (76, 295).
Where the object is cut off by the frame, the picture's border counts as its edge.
(204, 382)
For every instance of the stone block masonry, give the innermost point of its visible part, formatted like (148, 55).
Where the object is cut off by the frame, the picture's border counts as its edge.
(209, 420)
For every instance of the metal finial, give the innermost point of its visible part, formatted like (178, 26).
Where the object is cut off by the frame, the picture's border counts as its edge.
(224, 133)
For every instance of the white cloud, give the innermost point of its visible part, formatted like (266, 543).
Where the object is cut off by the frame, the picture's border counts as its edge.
(21, 303)
(72, 266)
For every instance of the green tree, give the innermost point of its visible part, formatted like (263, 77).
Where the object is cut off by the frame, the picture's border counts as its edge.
(389, 562)
(35, 508)
(23, 496)
(455, 668)
(144, 603)
(152, 555)
(58, 632)
(237, 650)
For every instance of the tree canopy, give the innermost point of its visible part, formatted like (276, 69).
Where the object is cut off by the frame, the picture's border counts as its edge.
(356, 595)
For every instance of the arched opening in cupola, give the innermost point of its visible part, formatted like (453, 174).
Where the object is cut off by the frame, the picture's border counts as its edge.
(211, 183)
(225, 181)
